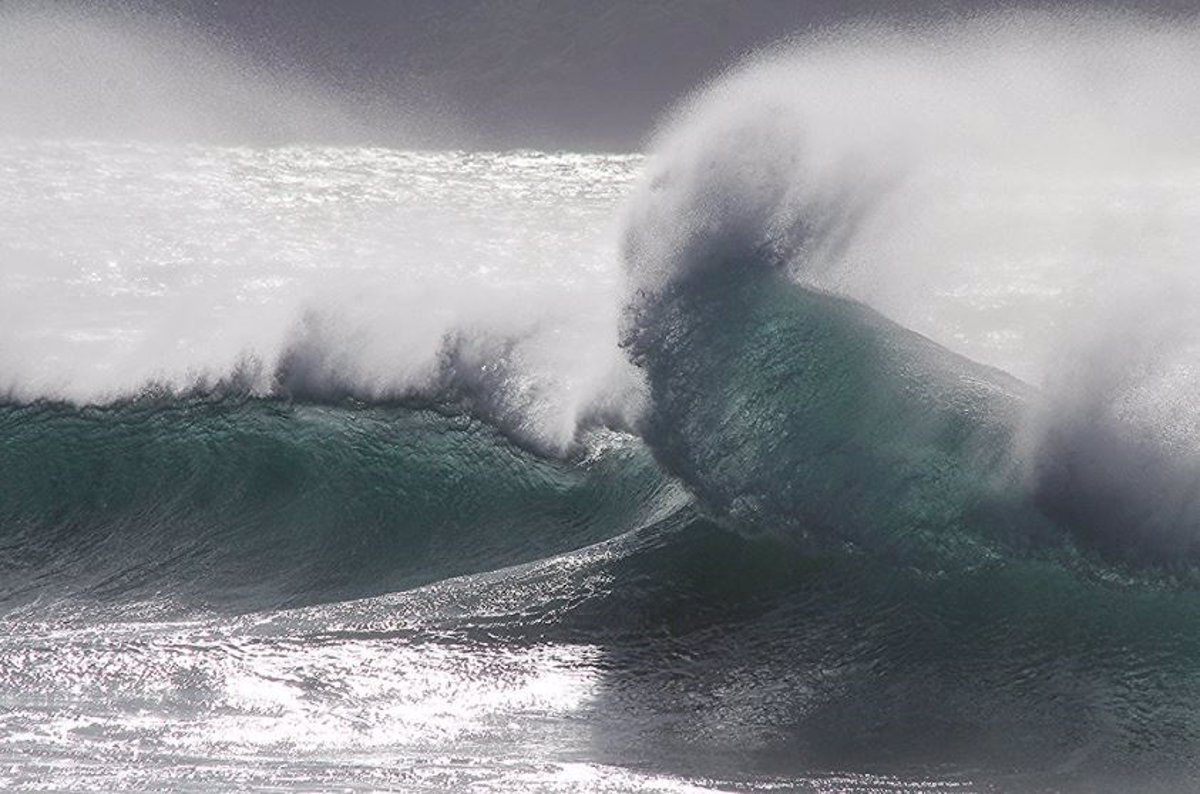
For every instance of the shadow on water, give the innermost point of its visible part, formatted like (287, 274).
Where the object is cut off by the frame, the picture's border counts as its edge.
(728, 657)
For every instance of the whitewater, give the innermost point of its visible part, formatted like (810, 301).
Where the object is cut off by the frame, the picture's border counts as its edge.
(845, 441)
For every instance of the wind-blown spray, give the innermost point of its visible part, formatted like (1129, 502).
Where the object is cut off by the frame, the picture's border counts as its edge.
(1021, 190)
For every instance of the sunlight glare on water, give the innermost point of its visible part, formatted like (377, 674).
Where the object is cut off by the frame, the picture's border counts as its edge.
(129, 263)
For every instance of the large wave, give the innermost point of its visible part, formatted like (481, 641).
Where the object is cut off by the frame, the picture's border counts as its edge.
(1018, 190)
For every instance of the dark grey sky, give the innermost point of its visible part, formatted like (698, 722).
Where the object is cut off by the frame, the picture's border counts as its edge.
(580, 74)
(590, 74)
(576, 74)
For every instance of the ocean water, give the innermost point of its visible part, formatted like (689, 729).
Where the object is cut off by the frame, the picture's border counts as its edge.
(843, 442)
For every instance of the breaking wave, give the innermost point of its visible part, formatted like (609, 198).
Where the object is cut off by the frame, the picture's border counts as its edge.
(822, 237)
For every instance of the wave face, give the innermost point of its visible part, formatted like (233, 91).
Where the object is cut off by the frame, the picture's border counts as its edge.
(796, 412)
(257, 503)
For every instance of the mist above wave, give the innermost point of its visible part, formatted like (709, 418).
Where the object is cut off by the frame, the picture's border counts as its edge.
(975, 181)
